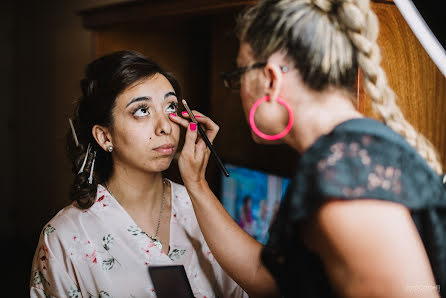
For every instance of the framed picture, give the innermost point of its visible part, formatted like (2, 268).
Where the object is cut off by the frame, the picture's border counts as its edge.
(252, 198)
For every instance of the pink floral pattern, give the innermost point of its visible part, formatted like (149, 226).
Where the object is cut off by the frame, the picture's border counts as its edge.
(387, 178)
(342, 150)
(101, 252)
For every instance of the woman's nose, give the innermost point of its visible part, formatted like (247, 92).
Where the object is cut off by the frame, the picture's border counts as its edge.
(163, 124)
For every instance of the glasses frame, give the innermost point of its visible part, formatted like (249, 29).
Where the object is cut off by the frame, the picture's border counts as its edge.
(229, 77)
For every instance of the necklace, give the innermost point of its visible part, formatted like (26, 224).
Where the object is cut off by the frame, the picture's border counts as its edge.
(155, 237)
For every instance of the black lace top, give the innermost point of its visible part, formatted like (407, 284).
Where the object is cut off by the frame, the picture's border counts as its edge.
(360, 158)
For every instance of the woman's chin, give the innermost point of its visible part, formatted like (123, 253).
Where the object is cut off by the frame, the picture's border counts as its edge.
(162, 165)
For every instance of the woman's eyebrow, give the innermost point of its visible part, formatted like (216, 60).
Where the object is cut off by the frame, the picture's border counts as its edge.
(148, 98)
(170, 93)
(141, 98)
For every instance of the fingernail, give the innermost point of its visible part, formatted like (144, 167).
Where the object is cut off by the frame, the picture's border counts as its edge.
(173, 115)
(184, 112)
(193, 126)
(197, 116)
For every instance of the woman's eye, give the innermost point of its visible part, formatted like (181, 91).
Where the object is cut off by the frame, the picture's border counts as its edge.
(141, 112)
(172, 108)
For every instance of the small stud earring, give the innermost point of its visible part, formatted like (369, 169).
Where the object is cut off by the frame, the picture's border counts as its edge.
(110, 148)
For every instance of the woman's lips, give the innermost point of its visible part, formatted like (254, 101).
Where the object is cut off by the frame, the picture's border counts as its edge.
(165, 149)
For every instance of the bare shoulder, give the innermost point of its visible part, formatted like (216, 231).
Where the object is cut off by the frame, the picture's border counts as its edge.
(340, 216)
(374, 244)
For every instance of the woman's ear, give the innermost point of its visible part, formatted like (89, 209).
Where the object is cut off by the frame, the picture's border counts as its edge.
(273, 82)
(102, 136)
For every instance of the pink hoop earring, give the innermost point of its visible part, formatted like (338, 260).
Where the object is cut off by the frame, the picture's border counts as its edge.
(261, 134)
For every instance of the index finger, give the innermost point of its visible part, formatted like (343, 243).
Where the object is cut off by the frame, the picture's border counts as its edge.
(210, 127)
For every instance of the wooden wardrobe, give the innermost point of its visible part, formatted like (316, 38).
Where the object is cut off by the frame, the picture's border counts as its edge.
(195, 40)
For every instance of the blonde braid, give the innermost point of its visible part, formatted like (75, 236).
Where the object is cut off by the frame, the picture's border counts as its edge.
(322, 37)
(362, 27)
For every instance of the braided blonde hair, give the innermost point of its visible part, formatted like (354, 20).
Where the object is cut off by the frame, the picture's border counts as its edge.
(327, 40)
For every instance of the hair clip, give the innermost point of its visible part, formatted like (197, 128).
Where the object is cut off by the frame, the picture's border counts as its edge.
(85, 159)
(73, 131)
(90, 178)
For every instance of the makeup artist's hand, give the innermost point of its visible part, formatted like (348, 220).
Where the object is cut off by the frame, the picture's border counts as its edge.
(194, 156)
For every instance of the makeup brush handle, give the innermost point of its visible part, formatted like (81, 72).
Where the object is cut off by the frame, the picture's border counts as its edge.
(208, 143)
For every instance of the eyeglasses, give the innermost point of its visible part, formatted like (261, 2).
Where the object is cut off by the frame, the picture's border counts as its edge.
(232, 79)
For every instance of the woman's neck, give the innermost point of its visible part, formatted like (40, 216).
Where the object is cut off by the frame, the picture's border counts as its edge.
(138, 190)
(319, 116)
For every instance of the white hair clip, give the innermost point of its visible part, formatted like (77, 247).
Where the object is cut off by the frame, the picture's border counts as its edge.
(90, 178)
(85, 159)
(73, 131)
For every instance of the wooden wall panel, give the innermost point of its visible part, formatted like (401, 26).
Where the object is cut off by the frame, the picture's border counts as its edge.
(419, 85)
(179, 47)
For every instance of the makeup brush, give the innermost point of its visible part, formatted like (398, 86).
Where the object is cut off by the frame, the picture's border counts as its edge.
(205, 138)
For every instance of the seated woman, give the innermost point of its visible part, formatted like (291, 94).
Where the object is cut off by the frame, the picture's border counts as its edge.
(125, 216)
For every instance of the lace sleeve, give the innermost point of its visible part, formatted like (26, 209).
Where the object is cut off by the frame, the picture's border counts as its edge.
(360, 160)
(374, 167)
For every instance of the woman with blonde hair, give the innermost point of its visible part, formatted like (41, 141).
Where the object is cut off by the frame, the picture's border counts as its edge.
(364, 215)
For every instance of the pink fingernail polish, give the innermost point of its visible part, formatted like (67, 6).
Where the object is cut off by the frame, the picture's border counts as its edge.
(197, 116)
(173, 115)
(184, 112)
(193, 126)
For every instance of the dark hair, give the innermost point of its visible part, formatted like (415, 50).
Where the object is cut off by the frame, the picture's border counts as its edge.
(105, 78)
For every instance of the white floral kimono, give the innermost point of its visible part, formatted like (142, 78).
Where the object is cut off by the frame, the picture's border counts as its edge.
(101, 252)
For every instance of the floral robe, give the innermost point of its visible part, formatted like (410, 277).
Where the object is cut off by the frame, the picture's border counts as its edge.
(101, 252)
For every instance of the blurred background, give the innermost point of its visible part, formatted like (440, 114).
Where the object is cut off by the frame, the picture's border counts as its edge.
(45, 47)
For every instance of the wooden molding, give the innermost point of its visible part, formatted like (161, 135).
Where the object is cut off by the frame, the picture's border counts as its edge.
(140, 11)
(143, 10)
